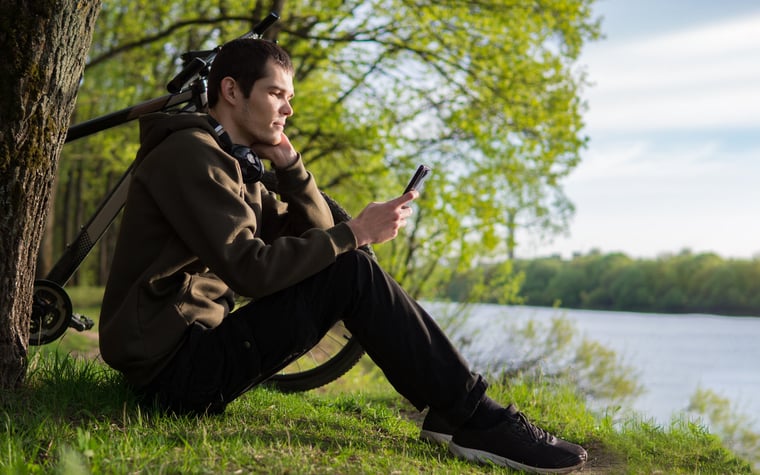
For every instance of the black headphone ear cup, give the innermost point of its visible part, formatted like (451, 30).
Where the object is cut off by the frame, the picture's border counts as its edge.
(250, 164)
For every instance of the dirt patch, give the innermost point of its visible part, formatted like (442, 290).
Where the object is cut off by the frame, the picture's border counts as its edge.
(602, 460)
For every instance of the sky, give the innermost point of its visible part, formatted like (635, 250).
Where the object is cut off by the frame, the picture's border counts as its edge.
(673, 121)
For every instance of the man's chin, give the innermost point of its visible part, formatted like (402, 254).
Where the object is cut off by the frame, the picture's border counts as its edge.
(273, 139)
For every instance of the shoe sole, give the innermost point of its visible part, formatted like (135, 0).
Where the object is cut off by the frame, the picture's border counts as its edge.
(481, 456)
(435, 437)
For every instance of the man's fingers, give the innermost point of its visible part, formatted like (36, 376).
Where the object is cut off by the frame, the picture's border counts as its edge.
(406, 198)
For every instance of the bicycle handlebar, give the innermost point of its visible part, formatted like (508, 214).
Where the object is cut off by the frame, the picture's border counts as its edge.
(199, 66)
(259, 29)
(189, 73)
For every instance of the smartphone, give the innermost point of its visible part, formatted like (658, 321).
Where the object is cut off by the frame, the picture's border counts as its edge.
(418, 179)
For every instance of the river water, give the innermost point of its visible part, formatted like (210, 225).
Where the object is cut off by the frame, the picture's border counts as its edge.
(673, 355)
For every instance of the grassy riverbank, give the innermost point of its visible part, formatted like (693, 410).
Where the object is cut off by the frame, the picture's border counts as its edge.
(76, 416)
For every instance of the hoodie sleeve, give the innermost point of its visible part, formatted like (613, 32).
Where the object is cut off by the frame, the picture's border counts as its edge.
(301, 207)
(198, 189)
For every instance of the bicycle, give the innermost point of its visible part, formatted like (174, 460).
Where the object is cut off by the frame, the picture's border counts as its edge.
(52, 310)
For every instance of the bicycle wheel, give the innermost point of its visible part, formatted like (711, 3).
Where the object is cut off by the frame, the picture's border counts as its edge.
(330, 359)
(51, 312)
(336, 353)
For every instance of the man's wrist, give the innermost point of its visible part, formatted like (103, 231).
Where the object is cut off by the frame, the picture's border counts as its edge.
(358, 233)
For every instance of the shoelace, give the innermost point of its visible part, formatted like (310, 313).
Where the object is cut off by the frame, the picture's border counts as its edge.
(536, 433)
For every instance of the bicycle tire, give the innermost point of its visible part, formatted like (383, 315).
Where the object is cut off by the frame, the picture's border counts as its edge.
(336, 353)
(51, 312)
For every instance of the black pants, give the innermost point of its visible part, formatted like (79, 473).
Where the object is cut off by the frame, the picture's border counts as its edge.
(214, 366)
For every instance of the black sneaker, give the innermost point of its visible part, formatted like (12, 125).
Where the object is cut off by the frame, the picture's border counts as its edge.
(517, 443)
(435, 429)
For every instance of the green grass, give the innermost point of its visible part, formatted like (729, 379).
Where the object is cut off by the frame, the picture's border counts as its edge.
(75, 415)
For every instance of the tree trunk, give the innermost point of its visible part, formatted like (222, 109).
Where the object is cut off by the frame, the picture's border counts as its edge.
(43, 48)
(511, 231)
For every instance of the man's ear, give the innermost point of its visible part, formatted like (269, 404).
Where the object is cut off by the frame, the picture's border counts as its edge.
(229, 90)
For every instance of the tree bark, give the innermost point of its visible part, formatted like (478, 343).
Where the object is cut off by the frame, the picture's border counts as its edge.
(43, 47)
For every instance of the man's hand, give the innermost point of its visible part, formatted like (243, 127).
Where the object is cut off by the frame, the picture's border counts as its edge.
(380, 222)
(282, 155)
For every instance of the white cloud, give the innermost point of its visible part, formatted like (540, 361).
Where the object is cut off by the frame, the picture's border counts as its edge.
(710, 107)
(640, 158)
(702, 77)
(738, 35)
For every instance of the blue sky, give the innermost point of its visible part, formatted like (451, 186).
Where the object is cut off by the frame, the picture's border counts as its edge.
(674, 125)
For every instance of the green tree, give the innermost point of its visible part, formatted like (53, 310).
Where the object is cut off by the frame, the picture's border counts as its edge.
(538, 274)
(695, 272)
(603, 271)
(670, 283)
(486, 93)
(568, 285)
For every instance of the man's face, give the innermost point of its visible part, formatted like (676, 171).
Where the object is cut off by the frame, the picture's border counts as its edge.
(261, 117)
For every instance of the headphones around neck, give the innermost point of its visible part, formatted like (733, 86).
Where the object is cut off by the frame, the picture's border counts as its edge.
(250, 164)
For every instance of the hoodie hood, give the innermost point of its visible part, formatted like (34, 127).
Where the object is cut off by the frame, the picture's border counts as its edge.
(155, 127)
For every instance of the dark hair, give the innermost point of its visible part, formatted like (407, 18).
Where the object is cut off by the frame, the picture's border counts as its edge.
(244, 60)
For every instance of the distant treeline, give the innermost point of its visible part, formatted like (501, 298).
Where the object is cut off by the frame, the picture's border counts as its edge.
(680, 283)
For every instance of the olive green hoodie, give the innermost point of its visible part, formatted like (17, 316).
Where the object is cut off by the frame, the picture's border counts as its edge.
(193, 234)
